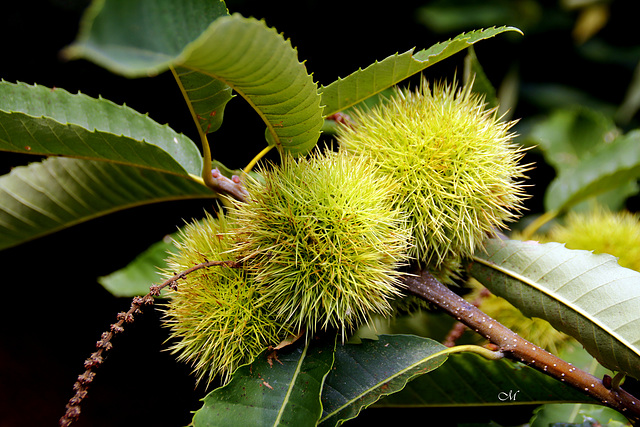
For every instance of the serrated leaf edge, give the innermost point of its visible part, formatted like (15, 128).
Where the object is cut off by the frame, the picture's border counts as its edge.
(183, 59)
(440, 353)
(438, 49)
(97, 131)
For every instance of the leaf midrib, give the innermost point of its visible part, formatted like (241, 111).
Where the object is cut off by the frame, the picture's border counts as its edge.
(99, 133)
(292, 384)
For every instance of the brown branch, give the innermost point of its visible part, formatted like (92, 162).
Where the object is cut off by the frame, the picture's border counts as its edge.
(458, 328)
(425, 286)
(81, 386)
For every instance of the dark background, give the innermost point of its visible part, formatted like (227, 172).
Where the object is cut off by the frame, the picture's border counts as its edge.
(54, 310)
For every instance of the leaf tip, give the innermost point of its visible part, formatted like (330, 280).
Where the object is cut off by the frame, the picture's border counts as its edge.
(516, 29)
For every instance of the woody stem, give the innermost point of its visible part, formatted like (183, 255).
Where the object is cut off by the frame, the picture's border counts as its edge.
(425, 286)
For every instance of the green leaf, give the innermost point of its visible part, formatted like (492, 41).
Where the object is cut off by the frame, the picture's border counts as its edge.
(142, 272)
(467, 379)
(587, 296)
(574, 135)
(554, 414)
(571, 135)
(473, 71)
(262, 67)
(363, 373)
(280, 390)
(60, 192)
(242, 53)
(362, 84)
(612, 166)
(141, 38)
(39, 120)
(206, 96)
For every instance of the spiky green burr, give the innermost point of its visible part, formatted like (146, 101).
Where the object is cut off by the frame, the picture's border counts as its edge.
(459, 168)
(323, 240)
(215, 318)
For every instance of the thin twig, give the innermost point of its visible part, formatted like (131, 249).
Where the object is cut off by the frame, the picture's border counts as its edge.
(425, 286)
(104, 344)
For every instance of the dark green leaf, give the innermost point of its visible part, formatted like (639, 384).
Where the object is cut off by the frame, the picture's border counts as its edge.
(272, 391)
(207, 97)
(571, 135)
(244, 53)
(39, 120)
(470, 380)
(611, 167)
(142, 38)
(363, 373)
(139, 274)
(473, 71)
(263, 68)
(60, 192)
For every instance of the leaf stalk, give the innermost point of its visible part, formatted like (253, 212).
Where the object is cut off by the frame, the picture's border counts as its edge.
(257, 158)
(219, 183)
(481, 351)
(539, 222)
